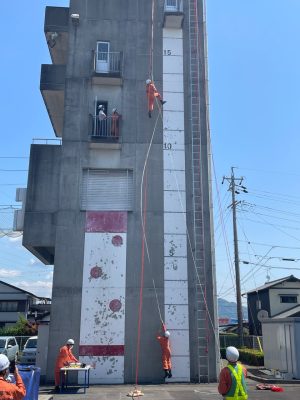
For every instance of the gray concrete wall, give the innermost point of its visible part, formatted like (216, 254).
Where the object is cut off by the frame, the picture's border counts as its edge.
(127, 25)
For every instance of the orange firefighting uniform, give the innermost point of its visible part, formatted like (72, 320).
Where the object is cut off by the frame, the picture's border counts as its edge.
(151, 94)
(166, 352)
(11, 391)
(64, 357)
(115, 119)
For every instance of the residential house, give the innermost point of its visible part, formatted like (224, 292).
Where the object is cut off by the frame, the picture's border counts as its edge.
(279, 298)
(15, 302)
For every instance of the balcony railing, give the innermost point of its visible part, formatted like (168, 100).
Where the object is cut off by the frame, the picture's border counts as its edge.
(108, 63)
(107, 129)
(173, 5)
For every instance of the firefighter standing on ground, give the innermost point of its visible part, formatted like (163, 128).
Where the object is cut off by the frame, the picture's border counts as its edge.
(64, 357)
(152, 92)
(10, 391)
(232, 380)
(166, 352)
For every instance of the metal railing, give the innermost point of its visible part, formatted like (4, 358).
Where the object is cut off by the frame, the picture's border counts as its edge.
(46, 141)
(173, 5)
(106, 129)
(108, 62)
(251, 342)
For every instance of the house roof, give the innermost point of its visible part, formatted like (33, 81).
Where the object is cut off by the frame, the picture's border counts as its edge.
(273, 283)
(24, 291)
(288, 313)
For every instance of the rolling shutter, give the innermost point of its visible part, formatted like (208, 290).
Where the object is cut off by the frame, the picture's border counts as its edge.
(107, 190)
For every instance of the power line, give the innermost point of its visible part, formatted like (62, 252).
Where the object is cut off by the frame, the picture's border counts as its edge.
(272, 245)
(13, 170)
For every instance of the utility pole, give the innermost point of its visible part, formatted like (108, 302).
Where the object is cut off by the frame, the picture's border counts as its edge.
(233, 188)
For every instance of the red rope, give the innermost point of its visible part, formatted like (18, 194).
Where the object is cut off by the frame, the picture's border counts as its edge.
(141, 285)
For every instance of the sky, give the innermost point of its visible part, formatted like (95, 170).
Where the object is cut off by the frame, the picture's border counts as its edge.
(254, 88)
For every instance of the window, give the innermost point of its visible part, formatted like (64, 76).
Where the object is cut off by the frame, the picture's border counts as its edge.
(258, 304)
(8, 306)
(102, 60)
(11, 342)
(171, 5)
(288, 299)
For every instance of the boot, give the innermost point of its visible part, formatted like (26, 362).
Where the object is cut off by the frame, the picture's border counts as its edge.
(162, 102)
(170, 374)
(57, 389)
(166, 373)
(149, 114)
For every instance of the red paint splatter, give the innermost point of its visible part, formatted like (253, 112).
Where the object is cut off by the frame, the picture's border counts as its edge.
(96, 272)
(117, 240)
(115, 305)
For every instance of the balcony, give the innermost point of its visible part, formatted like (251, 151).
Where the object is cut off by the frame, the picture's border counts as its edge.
(174, 15)
(56, 28)
(107, 68)
(52, 86)
(106, 130)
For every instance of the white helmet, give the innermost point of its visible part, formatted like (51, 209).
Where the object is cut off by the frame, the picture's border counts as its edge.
(167, 334)
(114, 110)
(101, 107)
(232, 354)
(148, 81)
(70, 341)
(4, 362)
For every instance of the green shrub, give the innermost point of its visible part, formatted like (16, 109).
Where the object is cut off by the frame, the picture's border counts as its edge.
(248, 356)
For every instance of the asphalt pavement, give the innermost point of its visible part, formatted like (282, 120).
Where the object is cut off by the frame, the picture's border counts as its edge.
(171, 391)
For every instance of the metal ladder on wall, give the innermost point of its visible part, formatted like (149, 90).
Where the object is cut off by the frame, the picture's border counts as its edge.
(202, 313)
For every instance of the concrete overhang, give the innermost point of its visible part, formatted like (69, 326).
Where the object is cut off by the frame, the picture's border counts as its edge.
(173, 20)
(52, 86)
(56, 28)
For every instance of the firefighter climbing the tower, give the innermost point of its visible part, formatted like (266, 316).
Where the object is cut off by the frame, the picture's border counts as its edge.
(152, 92)
(166, 351)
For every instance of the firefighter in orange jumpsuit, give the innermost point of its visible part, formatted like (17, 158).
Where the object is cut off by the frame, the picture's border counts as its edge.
(64, 357)
(152, 92)
(115, 121)
(10, 391)
(166, 352)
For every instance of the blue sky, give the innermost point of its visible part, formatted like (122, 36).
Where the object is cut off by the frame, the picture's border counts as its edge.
(254, 86)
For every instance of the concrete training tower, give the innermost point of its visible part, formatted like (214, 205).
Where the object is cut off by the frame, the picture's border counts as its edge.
(89, 197)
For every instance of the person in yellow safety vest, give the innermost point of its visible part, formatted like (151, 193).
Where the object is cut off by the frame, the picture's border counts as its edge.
(232, 380)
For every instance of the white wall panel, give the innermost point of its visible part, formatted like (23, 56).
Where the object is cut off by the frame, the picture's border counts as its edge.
(176, 292)
(175, 268)
(176, 316)
(174, 64)
(175, 238)
(175, 223)
(174, 180)
(174, 102)
(173, 83)
(180, 369)
(175, 46)
(174, 120)
(106, 370)
(176, 138)
(174, 201)
(179, 342)
(110, 260)
(172, 33)
(174, 160)
(100, 324)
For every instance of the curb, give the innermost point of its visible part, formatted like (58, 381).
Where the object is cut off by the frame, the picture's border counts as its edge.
(275, 381)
